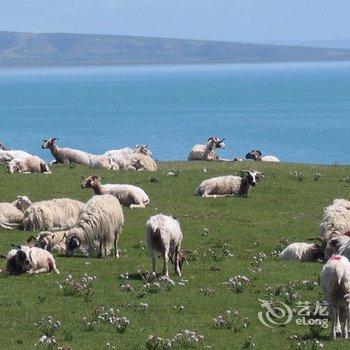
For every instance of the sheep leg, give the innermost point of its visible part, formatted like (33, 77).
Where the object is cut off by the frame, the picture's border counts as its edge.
(206, 195)
(165, 256)
(177, 260)
(335, 321)
(116, 253)
(6, 227)
(36, 272)
(132, 206)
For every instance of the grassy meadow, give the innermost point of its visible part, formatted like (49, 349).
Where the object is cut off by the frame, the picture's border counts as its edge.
(282, 206)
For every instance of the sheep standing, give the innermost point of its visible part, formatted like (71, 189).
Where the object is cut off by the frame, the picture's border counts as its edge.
(11, 214)
(45, 215)
(67, 155)
(336, 219)
(163, 234)
(30, 260)
(98, 227)
(256, 155)
(223, 186)
(303, 252)
(28, 165)
(207, 151)
(128, 195)
(335, 282)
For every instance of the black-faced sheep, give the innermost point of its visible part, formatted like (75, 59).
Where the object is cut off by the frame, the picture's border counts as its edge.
(257, 156)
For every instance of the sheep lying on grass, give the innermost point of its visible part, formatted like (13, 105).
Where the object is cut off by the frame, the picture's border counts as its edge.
(30, 260)
(223, 186)
(336, 219)
(103, 162)
(303, 252)
(28, 165)
(138, 162)
(11, 214)
(257, 156)
(128, 195)
(54, 213)
(8, 155)
(52, 241)
(120, 155)
(207, 151)
(98, 227)
(163, 234)
(335, 283)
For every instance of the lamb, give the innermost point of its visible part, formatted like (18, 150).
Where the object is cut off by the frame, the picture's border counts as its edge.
(230, 185)
(128, 195)
(138, 162)
(103, 162)
(30, 260)
(256, 155)
(335, 282)
(119, 155)
(336, 219)
(52, 241)
(28, 165)
(67, 155)
(11, 214)
(207, 151)
(163, 234)
(46, 215)
(98, 227)
(303, 252)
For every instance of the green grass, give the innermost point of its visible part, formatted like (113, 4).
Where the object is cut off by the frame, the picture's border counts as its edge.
(279, 207)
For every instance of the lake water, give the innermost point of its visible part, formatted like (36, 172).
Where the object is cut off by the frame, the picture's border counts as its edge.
(299, 112)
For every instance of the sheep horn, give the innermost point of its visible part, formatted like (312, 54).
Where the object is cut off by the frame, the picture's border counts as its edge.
(16, 246)
(31, 238)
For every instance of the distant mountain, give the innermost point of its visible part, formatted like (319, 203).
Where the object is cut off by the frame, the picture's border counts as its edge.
(28, 49)
(334, 44)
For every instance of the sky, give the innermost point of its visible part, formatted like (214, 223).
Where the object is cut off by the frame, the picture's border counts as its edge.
(228, 20)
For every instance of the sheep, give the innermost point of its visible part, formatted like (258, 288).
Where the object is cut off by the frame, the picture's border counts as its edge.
(28, 165)
(8, 155)
(52, 241)
(257, 156)
(207, 151)
(67, 155)
(128, 195)
(138, 162)
(223, 186)
(163, 234)
(337, 244)
(30, 260)
(303, 252)
(336, 219)
(45, 215)
(335, 283)
(119, 155)
(98, 227)
(11, 214)
(103, 162)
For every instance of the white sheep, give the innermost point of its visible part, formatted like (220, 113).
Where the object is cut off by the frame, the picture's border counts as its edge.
(207, 151)
(52, 241)
(138, 162)
(335, 283)
(103, 162)
(230, 185)
(256, 155)
(28, 165)
(30, 260)
(337, 244)
(336, 219)
(46, 215)
(11, 214)
(98, 227)
(119, 155)
(67, 155)
(303, 252)
(163, 234)
(8, 155)
(128, 195)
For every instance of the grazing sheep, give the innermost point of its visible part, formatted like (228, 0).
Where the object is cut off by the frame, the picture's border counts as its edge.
(163, 234)
(336, 219)
(138, 162)
(335, 283)
(28, 165)
(98, 227)
(46, 215)
(104, 163)
(119, 155)
(128, 195)
(52, 241)
(257, 156)
(207, 151)
(11, 214)
(223, 186)
(303, 252)
(30, 260)
(67, 155)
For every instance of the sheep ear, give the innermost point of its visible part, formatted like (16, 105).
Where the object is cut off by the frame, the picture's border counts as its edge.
(3, 256)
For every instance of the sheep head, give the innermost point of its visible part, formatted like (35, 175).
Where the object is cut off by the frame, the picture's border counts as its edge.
(91, 181)
(253, 176)
(215, 142)
(23, 203)
(72, 244)
(254, 155)
(49, 143)
(143, 149)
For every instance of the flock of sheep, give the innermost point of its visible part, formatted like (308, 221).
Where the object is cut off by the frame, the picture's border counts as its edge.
(70, 226)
